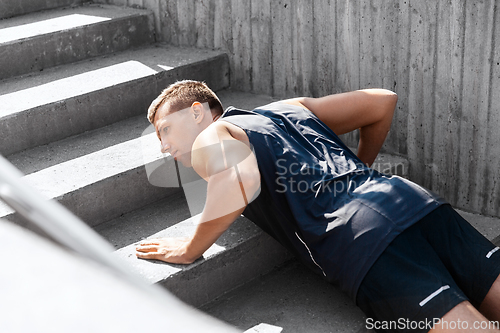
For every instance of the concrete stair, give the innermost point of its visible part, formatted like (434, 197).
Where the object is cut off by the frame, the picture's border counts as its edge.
(49, 106)
(74, 123)
(75, 83)
(21, 7)
(37, 41)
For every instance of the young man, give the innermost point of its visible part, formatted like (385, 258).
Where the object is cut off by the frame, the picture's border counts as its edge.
(401, 252)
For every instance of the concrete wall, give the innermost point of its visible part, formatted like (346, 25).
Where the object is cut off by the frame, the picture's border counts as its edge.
(441, 57)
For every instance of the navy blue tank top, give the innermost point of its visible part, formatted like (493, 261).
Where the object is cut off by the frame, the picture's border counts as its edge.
(319, 200)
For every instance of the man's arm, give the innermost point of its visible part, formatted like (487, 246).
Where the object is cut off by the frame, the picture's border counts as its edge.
(233, 178)
(370, 110)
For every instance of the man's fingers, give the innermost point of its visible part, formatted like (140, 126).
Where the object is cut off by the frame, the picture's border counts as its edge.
(147, 248)
(147, 255)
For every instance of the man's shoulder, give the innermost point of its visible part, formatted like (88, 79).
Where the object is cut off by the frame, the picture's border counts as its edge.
(217, 148)
(217, 132)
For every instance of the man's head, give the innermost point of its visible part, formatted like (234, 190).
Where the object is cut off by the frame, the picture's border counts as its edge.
(182, 94)
(180, 113)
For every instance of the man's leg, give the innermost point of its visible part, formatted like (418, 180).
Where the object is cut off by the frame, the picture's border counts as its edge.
(472, 260)
(490, 307)
(464, 318)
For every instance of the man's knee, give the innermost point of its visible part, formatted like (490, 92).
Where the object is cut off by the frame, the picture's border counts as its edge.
(464, 317)
(490, 307)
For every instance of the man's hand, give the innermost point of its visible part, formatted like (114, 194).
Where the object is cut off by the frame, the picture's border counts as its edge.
(172, 250)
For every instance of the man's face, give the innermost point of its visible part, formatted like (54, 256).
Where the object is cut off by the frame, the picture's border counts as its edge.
(178, 130)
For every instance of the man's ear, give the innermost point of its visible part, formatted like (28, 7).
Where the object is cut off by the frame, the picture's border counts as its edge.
(197, 111)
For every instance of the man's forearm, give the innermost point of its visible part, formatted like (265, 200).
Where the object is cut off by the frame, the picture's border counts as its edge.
(225, 202)
(206, 234)
(372, 136)
(371, 139)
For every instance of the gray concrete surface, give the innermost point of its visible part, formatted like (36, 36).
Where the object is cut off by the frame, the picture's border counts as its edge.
(488, 226)
(21, 7)
(35, 159)
(75, 98)
(100, 185)
(46, 288)
(241, 254)
(290, 297)
(392, 165)
(122, 28)
(143, 222)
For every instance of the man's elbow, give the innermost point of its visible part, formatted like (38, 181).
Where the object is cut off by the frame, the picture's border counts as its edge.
(387, 97)
(387, 104)
(393, 100)
(392, 97)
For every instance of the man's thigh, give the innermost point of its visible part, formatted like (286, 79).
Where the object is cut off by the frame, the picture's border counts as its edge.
(472, 260)
(408, 288)
(428, 270)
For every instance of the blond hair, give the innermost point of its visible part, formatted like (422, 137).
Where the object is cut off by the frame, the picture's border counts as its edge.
(182, 94)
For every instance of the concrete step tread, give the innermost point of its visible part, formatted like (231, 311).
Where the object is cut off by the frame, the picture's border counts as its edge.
(21, 7)
(144, 222)
(146, 60)
(392, 164)
(158, 57)
(60, 90)
(42, 157)
(75, 174)
(40, 40)
(60, 19)
(241, 254)
(292, 298)
(488, 226)
(70, 99)
(156, 271)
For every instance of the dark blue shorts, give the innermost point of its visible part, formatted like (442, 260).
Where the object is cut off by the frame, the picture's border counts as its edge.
(427, 270)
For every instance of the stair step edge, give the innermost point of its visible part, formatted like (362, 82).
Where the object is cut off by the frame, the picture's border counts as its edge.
(241, 254)
(46, 39)
(9, 9)
(67, 107)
